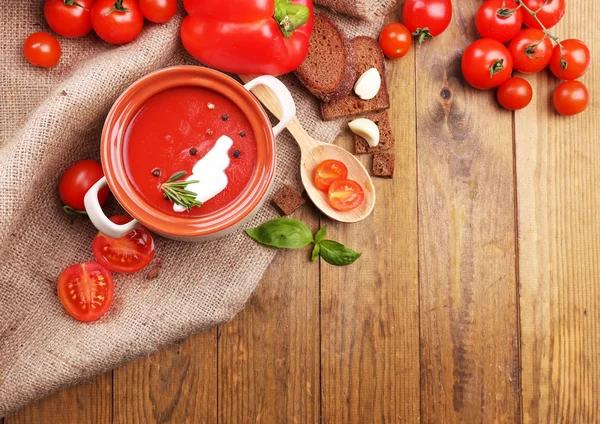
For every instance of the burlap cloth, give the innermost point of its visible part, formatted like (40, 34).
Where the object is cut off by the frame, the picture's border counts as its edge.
(52, 118)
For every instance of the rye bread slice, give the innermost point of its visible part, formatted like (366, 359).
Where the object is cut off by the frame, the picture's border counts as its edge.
(384, 164)
(327, 71)
(366, 54)
(288, 200)
(386, 138)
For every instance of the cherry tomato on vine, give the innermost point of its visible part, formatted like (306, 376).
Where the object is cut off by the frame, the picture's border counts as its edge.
(117, 21)
(571, 98)
(158, 11)
(515, 94)
(395, 40)
(327, 172)
(531, 50)
(345, 195)
(499, 19)
(42, 49)
(86, 290)
(77, 180)
(427, 18)
(573, 62)
(69, 18)
(127, 254)
(486, 64)
(549, 12)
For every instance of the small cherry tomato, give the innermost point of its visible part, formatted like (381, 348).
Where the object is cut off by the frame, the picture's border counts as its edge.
(127, 254)
(573, 62)
(500, 20)
(531, 50)
(86, 291)
(327, 172)
(395, 40)
(158, 11)
(515, 94)
(345, 195)
(427, 18)
(117, 22)
(42, 49)
(549, 12)
(571, 98)
(69, 18)
(77, 180)
(486, 64)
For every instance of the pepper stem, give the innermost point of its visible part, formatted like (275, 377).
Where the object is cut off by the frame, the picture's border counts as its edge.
(290, 16)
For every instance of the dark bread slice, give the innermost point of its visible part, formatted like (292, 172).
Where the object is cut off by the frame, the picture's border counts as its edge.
(288, 200)
(366, 54)
(386, 138)
(383, 164)
(327, 71)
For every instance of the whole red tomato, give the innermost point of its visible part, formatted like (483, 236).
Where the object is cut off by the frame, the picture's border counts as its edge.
(427, 18)
(77, 180)
(69, 18)
(499, 19)
(531, 50)
(486, 64)
(395, 40)
(571, 98)
(549, 12)
(42, 49)
(117, 22)
(572, 61)
(158, 11)
(515, 94)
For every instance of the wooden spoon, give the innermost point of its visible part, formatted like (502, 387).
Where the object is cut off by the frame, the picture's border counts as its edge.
(313, 152)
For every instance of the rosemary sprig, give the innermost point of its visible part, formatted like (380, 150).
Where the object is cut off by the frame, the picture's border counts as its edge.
(176, 192)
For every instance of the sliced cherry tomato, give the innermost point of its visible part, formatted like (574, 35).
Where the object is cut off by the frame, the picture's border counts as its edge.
(158, 11)
(571, 98)
(117, 21)
(327, 172)
(499, 19)
(574, 61)
(128, 254)
(531, 50)
(345, 195)
(69, 18)
(86, 290)
(486, 64)
(395, 40)
(42, 49)
(549, 12)
(76, 182)
(515, 94)
(427, 18)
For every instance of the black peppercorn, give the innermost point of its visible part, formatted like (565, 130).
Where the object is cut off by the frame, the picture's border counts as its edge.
(224, 117)
(156, 172)
(193, 151)
(236, 153)
(242, 133)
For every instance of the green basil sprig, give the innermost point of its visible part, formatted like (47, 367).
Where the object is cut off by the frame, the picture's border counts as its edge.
(287, 233)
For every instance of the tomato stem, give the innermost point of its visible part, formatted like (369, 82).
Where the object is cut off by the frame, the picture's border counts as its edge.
(72, 3)
(496, 67)
(74, 213)
(563, 63)
(117, 7)
(422, 34)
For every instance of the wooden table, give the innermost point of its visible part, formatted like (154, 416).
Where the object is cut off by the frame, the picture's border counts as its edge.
(477, 298)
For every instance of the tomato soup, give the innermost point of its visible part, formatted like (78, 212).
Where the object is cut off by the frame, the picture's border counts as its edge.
(174, 130)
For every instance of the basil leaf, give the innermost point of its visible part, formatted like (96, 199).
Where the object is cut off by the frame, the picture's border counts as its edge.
(320, 234)
(315, 252)
(285, 233)
(337, 254)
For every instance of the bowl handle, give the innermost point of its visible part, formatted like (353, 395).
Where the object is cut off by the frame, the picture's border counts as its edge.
(99, 219)
(286, 101)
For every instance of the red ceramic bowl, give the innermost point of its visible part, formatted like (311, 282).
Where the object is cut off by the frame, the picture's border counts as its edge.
(210, 226)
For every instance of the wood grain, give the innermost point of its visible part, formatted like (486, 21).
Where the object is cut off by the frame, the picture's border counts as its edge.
(468, 297)
(174, 385)
(558, 171)
(269, 354)
(369, 313)
(84, 403)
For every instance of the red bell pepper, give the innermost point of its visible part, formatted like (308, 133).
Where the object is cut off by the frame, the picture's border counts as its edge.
(248, 36)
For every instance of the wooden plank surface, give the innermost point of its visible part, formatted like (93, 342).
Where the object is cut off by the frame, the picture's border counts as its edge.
(558, 169)
(468, 297)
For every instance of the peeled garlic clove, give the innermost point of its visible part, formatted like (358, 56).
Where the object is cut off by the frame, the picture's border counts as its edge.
(368, 84)
(366, 129)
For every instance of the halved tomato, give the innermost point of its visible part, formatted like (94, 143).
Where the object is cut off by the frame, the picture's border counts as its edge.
(327, 172)
(86, 290)
(345, 195)
(127, 254)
